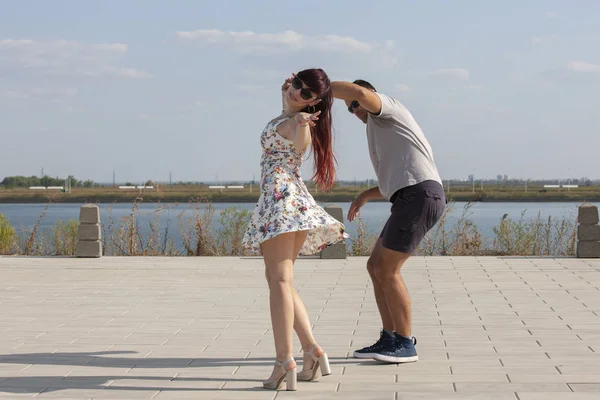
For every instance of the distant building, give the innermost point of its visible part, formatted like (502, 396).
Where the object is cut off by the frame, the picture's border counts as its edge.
(499, 177)
(506, 177)
(471, 178)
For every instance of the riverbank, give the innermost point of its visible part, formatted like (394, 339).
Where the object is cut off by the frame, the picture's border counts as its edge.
(99, 196)
(216, 229)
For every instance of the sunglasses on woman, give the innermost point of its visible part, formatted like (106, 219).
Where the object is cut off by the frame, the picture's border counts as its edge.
(352, 106)
(304, 93)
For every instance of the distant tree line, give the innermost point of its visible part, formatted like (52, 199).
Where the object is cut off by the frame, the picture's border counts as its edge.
(27, 181)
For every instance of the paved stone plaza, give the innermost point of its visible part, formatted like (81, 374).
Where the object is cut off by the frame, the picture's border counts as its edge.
(198, 328)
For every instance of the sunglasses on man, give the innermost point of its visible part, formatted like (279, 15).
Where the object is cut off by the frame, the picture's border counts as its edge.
(352, 106)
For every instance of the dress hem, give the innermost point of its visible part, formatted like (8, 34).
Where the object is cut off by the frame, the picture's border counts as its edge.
(256, 249)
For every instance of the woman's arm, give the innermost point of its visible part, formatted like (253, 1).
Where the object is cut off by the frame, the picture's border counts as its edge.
(297, 129)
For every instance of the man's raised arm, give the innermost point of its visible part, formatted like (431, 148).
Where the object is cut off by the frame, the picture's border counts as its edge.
(351, 91)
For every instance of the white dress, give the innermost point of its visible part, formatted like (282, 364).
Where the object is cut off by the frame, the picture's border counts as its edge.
(285, 205)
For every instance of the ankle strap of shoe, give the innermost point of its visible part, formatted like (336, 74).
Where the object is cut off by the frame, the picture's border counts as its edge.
(311, 352)
(284, 363)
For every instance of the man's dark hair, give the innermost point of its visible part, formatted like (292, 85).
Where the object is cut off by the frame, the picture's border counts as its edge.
(364, 84)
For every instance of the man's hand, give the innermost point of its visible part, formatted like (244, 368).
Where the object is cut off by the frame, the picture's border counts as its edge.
(356, 206)
(369, 194)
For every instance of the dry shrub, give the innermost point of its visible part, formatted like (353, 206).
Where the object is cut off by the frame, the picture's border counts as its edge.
(535, 237)
(63, 236)
(197, 233)
(233, 221)
(8, 236)
(125, 238)
(200, 237)
(363, 241)
(463, 239)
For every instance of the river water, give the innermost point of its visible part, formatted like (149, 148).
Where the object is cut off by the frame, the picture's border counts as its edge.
(484, 215)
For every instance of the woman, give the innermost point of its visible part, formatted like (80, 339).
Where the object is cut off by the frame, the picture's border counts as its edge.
(287, 221)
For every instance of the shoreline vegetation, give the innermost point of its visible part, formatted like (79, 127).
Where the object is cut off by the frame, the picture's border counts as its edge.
(250, 194)
(201, 235)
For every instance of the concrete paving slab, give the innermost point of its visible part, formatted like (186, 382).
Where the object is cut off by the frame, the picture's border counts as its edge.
(499, 328)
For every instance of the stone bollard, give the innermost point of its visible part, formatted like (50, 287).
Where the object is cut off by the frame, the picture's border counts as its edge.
(588, 232)
(337, 250)
(88, 236)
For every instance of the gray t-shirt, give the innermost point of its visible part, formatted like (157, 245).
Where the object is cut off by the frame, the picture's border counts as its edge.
(400, 153)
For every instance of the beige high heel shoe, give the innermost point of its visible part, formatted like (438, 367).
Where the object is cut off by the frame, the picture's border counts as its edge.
(310, 370)
(289, 376)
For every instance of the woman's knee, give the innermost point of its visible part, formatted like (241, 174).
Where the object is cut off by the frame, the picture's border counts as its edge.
(279, 284)
(279, 274)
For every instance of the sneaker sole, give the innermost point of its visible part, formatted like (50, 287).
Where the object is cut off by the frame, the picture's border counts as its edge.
(395, 360)
(364, 355)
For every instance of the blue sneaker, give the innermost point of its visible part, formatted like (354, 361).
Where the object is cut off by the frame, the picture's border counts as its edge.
(402, 351)
(385, 341)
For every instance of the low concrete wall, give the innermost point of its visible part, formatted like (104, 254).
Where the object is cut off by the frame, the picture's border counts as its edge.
(588, 232)
(337, 250)
(89, 242)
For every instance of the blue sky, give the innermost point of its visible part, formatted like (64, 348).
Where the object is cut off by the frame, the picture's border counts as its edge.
(152, 87)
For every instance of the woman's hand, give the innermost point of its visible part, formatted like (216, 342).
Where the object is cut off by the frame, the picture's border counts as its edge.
(284, 88)
(286, 84)
(304, 119)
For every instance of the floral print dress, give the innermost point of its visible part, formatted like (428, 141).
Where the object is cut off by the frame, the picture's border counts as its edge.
(285, 205)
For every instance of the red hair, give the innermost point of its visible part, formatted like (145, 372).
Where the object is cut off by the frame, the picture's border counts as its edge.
(321, 137)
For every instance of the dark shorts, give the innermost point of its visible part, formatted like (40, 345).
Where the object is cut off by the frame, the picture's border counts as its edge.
(415, 210)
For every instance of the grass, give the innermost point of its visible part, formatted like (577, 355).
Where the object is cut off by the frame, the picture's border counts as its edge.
(463, 239)
(526, 237)
(537, 236)
(199, 235)
(187, 193)
(7, 236)
(60, 240)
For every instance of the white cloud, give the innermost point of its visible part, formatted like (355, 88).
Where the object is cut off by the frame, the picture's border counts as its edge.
(265, 74)
(339, 43)
(64, 57)
(286, 40)
(116, 47)
(248, 40)
(453, 73)
(15, 42)
(545, 41)
(42, 92)
(251, 88)
(127, 72)
(551, 14)
(66, 92)
(15, 95)
(401, 87)
(582, 66)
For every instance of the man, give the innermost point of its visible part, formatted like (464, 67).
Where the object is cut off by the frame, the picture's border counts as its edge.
(408, 178)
